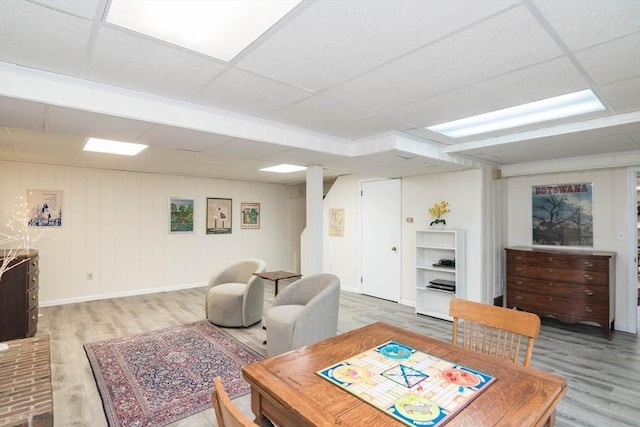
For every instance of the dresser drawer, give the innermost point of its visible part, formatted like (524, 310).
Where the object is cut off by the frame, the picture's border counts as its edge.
(559, 261)
(571, 291)
(32, 298)
(32, 321)
(567, 310)
(33, 280)
(34, 264)
(557, 274)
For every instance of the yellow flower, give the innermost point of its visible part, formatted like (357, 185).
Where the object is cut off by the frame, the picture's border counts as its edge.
(438, 210)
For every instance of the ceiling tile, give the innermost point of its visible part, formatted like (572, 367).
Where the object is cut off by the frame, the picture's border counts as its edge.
(85, 123)
(548, 79)
(496, 46)
(183, 139)
(316, 113)
(603, 62)
(323, 46)
(623, 95)
(240, 91)
(92, 9)
(18, 113)
(595, 18)
(37, 147)
(123, 58)
(42, 38)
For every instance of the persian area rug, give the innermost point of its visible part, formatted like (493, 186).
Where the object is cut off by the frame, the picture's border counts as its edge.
(156, 378)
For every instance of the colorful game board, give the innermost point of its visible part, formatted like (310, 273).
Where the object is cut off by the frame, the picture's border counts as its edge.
(415, 387)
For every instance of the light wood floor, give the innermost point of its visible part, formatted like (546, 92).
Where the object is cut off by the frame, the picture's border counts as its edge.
(603, 376)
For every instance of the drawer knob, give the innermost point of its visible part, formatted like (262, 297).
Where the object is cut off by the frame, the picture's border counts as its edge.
(588, 292)
(588, 309)
(588, 277)
(519, 282)
(33, 264)
(33, 317)
(550, 259)
(34, 279)
(588, 264)
(519, 298)
(518, 257)
(33, 297)
(519, 268)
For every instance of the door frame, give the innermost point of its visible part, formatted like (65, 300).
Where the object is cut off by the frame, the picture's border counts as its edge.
(633, 173)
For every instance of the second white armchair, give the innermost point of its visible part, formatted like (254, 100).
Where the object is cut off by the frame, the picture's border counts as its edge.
(305, 312)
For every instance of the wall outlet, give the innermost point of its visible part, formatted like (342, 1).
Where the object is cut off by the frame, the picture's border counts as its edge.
(89, 276)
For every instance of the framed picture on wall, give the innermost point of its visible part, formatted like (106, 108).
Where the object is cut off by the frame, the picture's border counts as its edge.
(562, 214)
(180, 215)
(218, 216)
(250, 215)
(44, 208)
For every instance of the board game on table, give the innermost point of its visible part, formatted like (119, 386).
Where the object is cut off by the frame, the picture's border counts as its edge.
(414, 387)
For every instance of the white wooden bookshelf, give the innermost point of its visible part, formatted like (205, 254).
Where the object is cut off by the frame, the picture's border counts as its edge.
(431, 247)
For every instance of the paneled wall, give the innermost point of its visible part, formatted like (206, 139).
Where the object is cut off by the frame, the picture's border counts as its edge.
(610, 219)
(116, 228)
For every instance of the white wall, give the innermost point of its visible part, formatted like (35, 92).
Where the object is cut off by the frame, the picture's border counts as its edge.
(610, 219)
(463, 191)
(116, 226)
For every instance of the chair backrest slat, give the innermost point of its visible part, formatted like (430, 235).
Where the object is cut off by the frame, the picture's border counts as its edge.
(497, 331)
(227, 413)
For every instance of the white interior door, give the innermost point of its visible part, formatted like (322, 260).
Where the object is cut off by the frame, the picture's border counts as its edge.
(381, 218)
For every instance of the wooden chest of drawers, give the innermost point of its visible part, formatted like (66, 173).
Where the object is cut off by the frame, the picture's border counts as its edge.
(572, 286)
(19, 297)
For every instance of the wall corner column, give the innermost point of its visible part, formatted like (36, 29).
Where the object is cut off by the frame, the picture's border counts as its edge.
(312, 252)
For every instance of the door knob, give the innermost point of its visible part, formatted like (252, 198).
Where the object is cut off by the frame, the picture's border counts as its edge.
(394, 249)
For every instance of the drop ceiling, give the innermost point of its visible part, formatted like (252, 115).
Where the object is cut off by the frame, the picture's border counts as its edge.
(349, 85)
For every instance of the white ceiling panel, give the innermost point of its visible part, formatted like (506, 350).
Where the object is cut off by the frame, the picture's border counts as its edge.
(33, 146)
(123, 58)
(558, 76)
(183, 139)
(602, 64)
(331, 41)
(238, 90)
(316, 112)
(69, 121)
(86, 8)
(22, 114)
(496, 46)
(331, 79)
(623, 96)
(42, 38)
(582, 23)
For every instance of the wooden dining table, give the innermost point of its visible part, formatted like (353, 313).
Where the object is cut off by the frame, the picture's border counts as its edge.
(286, 389)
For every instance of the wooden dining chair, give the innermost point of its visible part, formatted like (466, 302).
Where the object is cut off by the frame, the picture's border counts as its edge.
(227, 413)
(497, 331)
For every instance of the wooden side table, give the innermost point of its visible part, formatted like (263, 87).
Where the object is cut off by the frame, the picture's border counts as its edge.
(26, 395)
(276, 276)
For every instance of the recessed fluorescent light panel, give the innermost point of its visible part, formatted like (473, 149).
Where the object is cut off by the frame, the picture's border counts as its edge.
(113, 147)
(558, 107)
(284, 168)
(221, 28)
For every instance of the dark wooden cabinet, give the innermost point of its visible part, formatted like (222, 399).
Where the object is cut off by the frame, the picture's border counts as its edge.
(572, 286)
(19, 297)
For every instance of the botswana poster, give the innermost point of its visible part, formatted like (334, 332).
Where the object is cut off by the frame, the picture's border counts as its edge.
(562, 214)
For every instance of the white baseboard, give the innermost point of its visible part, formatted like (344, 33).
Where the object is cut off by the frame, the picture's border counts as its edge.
(86, 298)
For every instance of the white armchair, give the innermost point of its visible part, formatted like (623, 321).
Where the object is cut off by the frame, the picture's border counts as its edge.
(235, 297)
(305, 312)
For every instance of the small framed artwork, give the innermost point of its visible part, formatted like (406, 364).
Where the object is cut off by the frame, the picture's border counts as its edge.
(44, 208)
(250, 215)
(180, 215)
(218, 216)
(336, 222)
